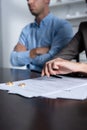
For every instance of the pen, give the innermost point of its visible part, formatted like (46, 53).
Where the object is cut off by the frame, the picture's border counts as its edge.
(56, 76)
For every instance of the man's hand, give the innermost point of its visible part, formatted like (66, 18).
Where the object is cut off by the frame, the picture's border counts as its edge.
(38, 51)
(20, 48)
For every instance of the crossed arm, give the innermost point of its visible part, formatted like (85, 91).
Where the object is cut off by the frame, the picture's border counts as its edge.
(34, 52)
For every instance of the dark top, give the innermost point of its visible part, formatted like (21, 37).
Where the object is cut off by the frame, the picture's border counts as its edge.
(77, 44)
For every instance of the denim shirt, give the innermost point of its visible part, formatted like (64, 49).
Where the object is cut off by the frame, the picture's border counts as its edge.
(52, 32)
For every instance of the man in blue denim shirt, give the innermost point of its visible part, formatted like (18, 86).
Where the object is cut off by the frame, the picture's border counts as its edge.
(41, 40)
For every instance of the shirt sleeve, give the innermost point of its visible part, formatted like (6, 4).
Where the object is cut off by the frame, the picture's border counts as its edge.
(61, 38)
(21, 58)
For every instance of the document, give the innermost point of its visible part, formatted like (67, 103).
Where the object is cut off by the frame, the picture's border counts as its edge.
(49, 87)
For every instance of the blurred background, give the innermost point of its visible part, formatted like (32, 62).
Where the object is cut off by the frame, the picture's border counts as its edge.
(14, 15)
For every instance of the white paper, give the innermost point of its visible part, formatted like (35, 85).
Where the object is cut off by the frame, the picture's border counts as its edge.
(72, 88)
(79, 93)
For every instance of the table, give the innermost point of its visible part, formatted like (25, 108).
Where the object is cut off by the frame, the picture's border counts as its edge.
(20, 113)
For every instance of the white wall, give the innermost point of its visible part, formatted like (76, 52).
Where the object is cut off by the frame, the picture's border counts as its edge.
(14, 16)
(1, 59)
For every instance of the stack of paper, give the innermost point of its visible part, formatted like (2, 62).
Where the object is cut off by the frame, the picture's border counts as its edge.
(72, 88)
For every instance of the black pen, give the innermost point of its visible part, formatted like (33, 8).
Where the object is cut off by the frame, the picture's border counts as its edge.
(56, 76)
